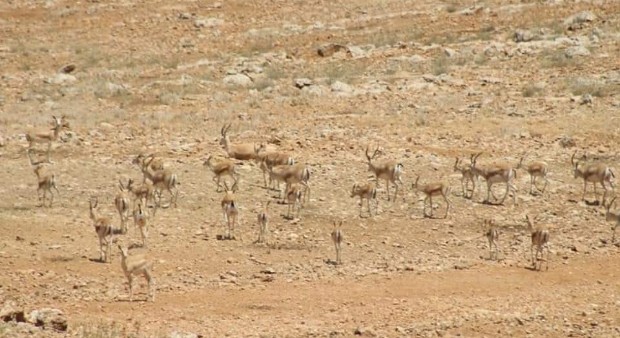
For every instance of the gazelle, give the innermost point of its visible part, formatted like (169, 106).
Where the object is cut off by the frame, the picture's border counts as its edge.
(366, 192)
(230, 210)
(595, 173)
(495, 173)
(47, 136)
(433, 189)
(121, 201)
(46, 180)
(491, 232)
(155, 163)
(263, 221)
(294, 197)
(540, 240)
(240, 151)
(269, 159)
(137, 264)
(612, 217)
(390, 171)
(337, 238)
(292, 174)
(143, 193)
(224, 167)
(467, 175)
(535, 169)
(104, 229)
(162, 179)
(140, 219)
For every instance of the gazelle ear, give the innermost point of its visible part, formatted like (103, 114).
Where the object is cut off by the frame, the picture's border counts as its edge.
(340, 223)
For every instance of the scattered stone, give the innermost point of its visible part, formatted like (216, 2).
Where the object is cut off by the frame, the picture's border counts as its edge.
(571, 52)
(208, 22)
(522, 35)
(60, 78)
(67, 69)
(241, 80)
(303, 82)
(330, 49)
(567, 142)
(10, 313)
(585, 99)
(48, 318)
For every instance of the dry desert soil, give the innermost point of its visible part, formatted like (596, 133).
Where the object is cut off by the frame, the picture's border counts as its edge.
(426, 81)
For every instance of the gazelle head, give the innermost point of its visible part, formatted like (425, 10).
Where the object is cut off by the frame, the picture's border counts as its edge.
(60, 122)
(232, 189)
(370, 158)
(578, 173)
(223, 132)
(124, 251)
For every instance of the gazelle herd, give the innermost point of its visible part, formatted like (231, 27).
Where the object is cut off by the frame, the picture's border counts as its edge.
(282, 168)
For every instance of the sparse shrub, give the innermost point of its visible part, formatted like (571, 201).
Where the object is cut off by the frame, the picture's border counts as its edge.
(531, 90)
(557, 59)
(581, 86)
(441, 65)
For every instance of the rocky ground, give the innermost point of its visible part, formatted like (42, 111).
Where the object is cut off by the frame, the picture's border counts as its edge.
(425, 80)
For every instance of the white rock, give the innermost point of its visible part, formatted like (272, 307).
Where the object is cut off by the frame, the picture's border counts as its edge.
(61, 78)
(238, 80)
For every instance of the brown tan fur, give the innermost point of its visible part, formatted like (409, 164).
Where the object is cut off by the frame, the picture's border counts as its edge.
(536, 169)
(612, 217)
(366, 192)
(267, 159)
(495, 173)
(594, 173)
(467, 175)
(292, 174)
(46, 180)
(263, 222)
(137, 264)
(540, 243)
(121, 202)
(230, 210)
(491, 232)
(390, 171)
(337, 236)
(239, 151)
(221, 168)
(47, 136)
(433, 189)
(105, 231)
(162, 179)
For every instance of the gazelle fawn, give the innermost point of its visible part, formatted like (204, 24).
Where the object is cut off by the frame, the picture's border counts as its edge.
(495, 173)
(230, 210)
(294, 198)
(104, 229)
(433, 189)
(536, 169)
(491, 232)
(47, 136)
(337, 238)
(141, 220)
(223, 167)
(46, 180)
(540, 244)
(121, 201)
(594, 173)
(263, 221)
(390, 171)
(292, 174)
(612, 217)
(366, 192)
(137, 264)
(467, 175)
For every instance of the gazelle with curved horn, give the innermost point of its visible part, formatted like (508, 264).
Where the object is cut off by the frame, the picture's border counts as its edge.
(467, 175)
(433, 189)
(240, 151)
(535, 169)
(47, 136)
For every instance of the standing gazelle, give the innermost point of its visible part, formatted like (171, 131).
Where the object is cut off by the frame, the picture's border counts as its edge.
(224, 167)
(230, 210)
(140, 219)
(337, 238)
(595, 173)
(491, 232)
(390, 171)
(612, 217)
(239, 151)
(47, 136)
(121, 201)
(294, 198)
(162, 179)
(46, 180)
(104, 229)
(263, 220)
(536, 169)
(496, 173)
(137, 264)
(540, 240)
(467, 175)
(292, 174)
(366, 192)
(433, 189)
